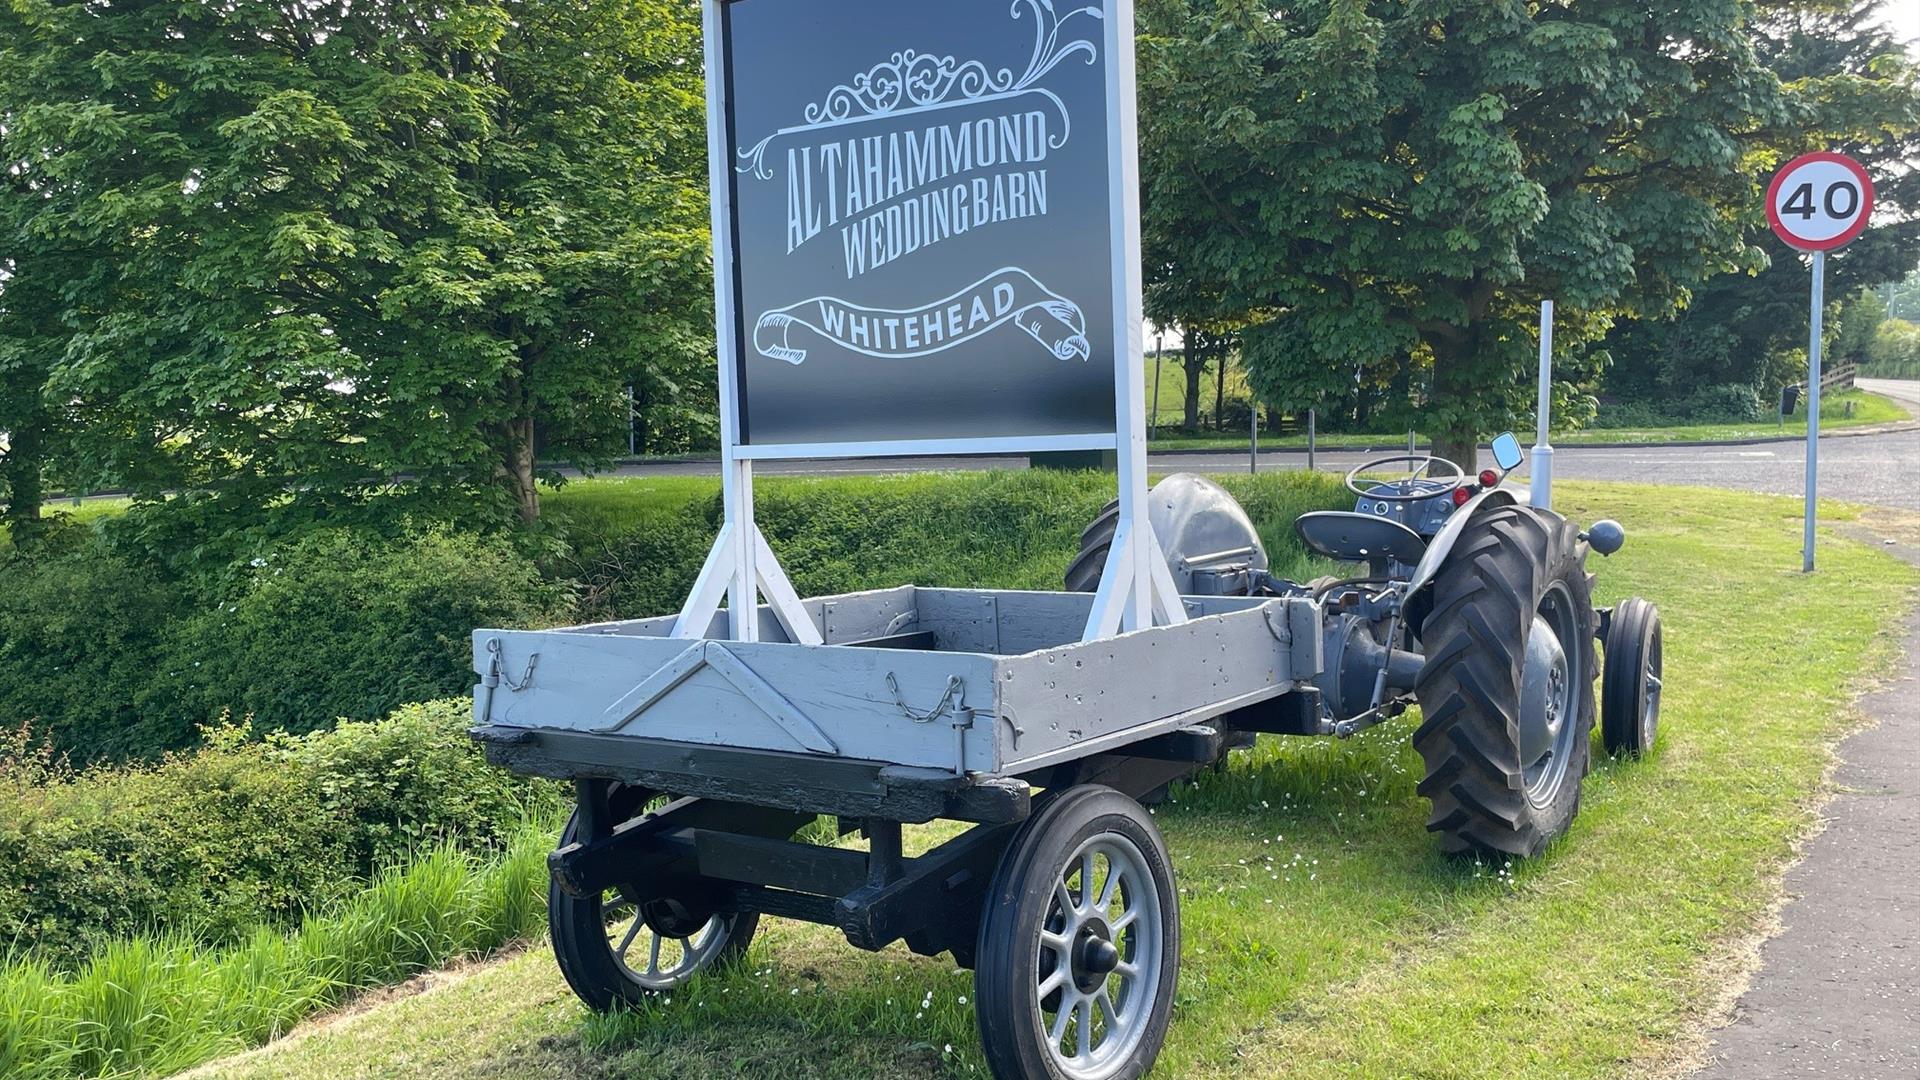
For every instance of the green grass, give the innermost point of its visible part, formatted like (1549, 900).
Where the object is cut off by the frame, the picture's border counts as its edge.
(153, 1005)
(1868, 410)
(1324, 934)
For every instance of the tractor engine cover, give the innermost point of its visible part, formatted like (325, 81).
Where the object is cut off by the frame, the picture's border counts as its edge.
(1209, 541)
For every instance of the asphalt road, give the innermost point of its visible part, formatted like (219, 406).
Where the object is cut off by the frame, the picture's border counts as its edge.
(1883, 469)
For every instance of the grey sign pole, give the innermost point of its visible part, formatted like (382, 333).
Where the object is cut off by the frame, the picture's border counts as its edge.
(1310, 440)
(1813, 407)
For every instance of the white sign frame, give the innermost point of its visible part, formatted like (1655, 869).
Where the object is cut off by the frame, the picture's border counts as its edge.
(1137, 589)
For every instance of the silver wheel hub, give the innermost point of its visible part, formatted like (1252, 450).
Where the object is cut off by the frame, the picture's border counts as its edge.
(1549, 685)
(1099, 958)
(658, 947)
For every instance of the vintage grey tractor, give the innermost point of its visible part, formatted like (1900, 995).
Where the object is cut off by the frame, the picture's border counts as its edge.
(1469, 602)
(704, 766)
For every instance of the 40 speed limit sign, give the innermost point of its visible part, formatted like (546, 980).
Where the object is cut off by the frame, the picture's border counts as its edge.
(1819, 202)
(1816, 203)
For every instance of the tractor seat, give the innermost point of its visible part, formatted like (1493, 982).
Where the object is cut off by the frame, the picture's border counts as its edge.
(1347, 536)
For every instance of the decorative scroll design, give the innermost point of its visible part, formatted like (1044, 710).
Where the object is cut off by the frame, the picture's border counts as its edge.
(1008, 295)
(911, 81)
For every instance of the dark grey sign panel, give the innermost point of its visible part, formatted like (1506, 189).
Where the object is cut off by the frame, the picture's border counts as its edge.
(921, 220)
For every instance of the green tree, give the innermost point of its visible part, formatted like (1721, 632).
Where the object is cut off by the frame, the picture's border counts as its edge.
(1389, 188)
(351, 250)
(1855, 82)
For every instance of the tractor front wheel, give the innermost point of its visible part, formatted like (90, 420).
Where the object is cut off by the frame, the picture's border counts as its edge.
(1507, 687)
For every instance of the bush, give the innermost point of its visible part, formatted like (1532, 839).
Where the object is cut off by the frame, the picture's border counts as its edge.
(83, 632)
(636, 545)
(342, 624)
(1895, 351)
(112, 658)
(1729, 403)
(212, 843)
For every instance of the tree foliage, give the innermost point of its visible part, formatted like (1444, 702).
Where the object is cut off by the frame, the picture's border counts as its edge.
(1388, 188)
(1853, 83)
(291, 253)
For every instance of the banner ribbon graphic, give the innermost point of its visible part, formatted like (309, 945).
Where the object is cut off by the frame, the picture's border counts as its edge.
(1008, 295)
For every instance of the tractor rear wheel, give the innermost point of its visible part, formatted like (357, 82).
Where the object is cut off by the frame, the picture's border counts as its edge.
(1083, 574)
(1507, 687)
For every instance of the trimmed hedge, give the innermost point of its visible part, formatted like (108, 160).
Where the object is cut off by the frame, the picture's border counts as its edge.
(113, 658)
(213, 843)
(636, 545)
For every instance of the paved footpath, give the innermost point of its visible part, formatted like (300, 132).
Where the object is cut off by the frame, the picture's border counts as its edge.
(1838, 991)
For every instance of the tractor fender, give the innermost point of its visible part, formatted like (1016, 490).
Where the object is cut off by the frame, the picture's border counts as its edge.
(1443, 541)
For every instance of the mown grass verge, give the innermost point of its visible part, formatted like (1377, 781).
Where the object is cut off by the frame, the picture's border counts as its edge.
(1324, 935)
(1838, 411)
(153, 1005)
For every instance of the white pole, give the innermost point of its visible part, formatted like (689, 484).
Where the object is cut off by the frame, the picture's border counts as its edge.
(1813, 407)
(1541, 489)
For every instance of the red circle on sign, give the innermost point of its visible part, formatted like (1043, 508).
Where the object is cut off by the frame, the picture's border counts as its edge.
(1862, 210)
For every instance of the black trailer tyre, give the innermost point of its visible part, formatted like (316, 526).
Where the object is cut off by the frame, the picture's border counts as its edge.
(1079, 945)
(1083, 574)
(1507, 687)
(1630, 687)
(615, 951)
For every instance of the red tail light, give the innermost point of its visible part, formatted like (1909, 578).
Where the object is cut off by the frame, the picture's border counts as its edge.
(1489, 478)
(1461, 495)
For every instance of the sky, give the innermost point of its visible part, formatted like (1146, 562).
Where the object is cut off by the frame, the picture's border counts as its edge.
(1903, 16)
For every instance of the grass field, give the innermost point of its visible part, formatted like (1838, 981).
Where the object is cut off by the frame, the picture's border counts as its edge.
(1324, 935)
(1867, 410)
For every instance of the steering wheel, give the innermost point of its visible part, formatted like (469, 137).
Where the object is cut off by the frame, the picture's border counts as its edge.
(1421, 474)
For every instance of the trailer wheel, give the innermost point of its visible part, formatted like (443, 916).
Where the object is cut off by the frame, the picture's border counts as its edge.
(1083, 574)
(1079, 945)
(1507, 687)
(1630, 686)
(616, 949)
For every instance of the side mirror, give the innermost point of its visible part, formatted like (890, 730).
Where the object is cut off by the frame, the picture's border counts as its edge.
(1506, 452)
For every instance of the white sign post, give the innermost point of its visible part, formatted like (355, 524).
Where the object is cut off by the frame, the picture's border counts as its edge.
(1817, 203)
(926, 240)
(1541, 489)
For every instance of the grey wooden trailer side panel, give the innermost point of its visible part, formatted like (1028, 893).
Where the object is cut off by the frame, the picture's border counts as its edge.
(827, 700)
(1010, 686)
(1082, 698)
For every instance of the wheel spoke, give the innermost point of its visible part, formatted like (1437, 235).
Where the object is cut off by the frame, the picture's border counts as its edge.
(1060, 1020)
(1052, 982)
(1115, 871)
(1084, 1036)
(626, 943)
(653, 956)
(1124, 921)
(1105, 1001)
(1086, 879)
(1059, 943)
(1064, 895)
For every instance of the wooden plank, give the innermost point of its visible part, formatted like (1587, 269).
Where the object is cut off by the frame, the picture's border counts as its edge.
(840, 690)
(1080, 698)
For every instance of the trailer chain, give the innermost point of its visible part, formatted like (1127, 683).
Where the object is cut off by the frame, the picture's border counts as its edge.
(496, 668)
(956, 691)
